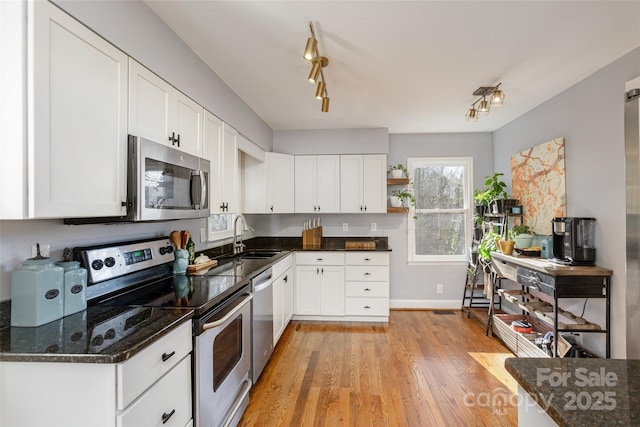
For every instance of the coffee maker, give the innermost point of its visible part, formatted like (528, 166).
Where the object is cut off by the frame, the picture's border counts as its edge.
(573, 241)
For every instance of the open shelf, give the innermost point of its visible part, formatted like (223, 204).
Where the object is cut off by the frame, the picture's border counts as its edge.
(397, 210)
(397, 181)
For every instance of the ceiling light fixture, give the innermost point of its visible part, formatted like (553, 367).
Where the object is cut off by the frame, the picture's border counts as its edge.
(496, 99)
(312, 55)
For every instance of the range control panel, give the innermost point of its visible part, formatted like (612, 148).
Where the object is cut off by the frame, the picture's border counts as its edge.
(108, 262)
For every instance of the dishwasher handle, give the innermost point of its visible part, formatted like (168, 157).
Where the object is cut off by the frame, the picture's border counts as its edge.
(262, 280)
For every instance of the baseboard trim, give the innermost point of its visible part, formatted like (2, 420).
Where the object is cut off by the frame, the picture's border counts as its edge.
(424, 304)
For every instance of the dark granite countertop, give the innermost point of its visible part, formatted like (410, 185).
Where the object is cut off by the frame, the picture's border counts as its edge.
(582, 392)
(328, 243)
(95, 335)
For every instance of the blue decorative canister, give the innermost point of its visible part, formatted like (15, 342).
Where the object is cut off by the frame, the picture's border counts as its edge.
(37, 294)
(75, 286)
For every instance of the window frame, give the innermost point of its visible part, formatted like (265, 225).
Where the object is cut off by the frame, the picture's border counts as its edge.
(465, 162)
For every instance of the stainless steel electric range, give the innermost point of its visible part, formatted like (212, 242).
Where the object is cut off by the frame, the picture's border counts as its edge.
(139, 274)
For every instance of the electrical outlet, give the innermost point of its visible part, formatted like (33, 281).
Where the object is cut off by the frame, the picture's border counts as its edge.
(203, 235)
(439, 288)
(45, 250)
(345, 226)
(374, 226)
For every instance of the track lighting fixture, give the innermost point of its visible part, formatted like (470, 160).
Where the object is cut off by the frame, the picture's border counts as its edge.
(496, 99)
(318, 62)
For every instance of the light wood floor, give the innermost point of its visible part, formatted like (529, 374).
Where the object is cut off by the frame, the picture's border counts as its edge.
(424, 368)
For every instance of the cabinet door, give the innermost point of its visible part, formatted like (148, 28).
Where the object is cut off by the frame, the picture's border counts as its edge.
(287, 297)
(332, 291)
(280, 171)
(307, 290)
(188, 123)
(374, 193)
(149, 104)
(351, 185)
(305, 184)
(229, 156)
(78, 101)
(328, 184)
(211, 150)
(278, 308)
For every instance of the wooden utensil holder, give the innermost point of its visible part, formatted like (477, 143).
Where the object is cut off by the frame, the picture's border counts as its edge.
(312, 239)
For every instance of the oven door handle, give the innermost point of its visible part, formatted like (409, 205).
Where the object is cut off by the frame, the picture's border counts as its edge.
(236, 407)
(229, 315)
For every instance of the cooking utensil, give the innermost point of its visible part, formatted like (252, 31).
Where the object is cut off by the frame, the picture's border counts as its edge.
(176, 238)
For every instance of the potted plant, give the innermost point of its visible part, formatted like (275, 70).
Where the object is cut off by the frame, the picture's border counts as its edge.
(397, 171)
(494, 189)
(488, 244)
(506, 244)
(402, 198)
(522, 236)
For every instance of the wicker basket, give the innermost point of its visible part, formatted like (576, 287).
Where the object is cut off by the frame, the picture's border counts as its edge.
(521, 344)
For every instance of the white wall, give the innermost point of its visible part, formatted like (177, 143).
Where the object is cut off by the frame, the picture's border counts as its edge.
(590, 116)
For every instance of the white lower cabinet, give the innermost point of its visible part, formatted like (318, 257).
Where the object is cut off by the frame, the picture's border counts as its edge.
(153, 388)
(320, 284)
(282, 296)
(367, 279)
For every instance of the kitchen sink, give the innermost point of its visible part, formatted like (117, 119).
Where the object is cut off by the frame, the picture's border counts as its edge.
(259, 254)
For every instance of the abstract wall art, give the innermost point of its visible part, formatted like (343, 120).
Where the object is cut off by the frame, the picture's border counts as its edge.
(538, 181)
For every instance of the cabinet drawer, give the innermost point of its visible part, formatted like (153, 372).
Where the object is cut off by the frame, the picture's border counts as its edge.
(281, 266)
(357, 306)
(320, 258)
(137, 374)
(169, 399)
(368, 290)
(367, 258)
(373, 273)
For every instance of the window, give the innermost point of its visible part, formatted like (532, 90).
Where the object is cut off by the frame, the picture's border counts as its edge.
(220, 226)
(439, 221)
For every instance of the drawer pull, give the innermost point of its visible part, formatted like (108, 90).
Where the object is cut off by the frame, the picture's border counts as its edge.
(367, 274)
(166, 356)
(367, 289)
(319, 259)
(165, 416)
(366, 306)
(367, 259)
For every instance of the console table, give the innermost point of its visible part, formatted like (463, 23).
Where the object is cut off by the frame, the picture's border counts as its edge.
(544, 283)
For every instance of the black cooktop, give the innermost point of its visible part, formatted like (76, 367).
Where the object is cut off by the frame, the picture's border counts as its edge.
(198, 293)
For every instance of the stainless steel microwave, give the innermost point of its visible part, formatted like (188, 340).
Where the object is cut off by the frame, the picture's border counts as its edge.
(164, 183)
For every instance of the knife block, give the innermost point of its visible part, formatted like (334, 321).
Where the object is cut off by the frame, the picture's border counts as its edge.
(312, 239)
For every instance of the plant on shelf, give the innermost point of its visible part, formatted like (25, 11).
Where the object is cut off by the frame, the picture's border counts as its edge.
(398, 171)
(404, 196)
(488, 244)
(494, 189)
(506, 244)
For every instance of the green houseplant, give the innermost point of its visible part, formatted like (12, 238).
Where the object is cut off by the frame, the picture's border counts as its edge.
(398, 171)
(522, 235)
(494, 189)
(404, 196)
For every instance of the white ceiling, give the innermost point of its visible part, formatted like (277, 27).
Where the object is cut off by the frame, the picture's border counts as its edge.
(409, 66)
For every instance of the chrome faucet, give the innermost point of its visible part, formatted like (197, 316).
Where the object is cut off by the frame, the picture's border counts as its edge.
(238, 246)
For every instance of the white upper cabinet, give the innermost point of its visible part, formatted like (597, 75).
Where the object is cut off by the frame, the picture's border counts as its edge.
(221, 149)
(161, 113)
(363, 183)
(317, 184)
(77, 119)
(280, 175)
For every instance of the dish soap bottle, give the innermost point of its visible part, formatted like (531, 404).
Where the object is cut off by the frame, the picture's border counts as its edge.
(191, 249)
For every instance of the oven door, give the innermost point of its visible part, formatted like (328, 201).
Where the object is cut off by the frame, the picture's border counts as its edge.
(223, 363)
(168, 183)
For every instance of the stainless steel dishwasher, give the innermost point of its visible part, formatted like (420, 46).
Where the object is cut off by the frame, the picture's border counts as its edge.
(262, 323)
